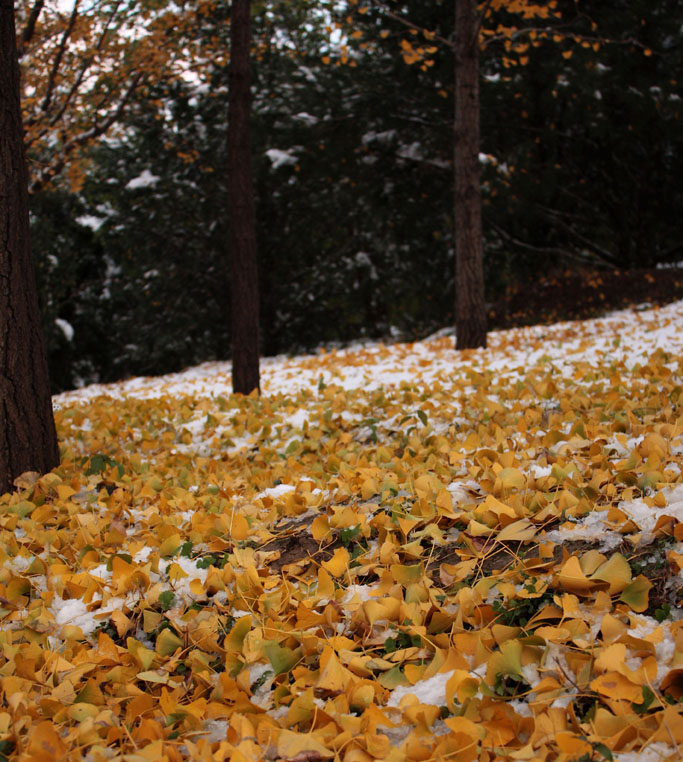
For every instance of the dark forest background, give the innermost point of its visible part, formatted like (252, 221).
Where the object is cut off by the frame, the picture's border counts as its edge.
(582, 159)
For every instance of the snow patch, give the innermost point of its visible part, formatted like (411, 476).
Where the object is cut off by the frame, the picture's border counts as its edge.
(280, 158)
(431, 691)
(66, 328)
(144, 180)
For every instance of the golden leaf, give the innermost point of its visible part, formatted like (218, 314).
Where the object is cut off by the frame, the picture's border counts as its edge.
(338, 564)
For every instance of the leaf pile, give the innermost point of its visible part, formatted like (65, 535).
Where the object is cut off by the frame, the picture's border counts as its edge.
(396, 553)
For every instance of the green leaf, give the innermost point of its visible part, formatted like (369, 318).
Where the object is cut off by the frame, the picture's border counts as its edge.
(604, 750)
(6, 748)
(23, 509)
(281, 658)
(166, 600)
(636, 594)
(186, 549)
(648, 698)
(349, 534)
(100, 463)
(293, 447)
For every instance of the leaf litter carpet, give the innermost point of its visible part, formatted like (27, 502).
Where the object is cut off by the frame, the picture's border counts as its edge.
(395, 553)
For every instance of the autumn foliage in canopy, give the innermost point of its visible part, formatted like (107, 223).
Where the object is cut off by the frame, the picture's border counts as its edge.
(82, 66)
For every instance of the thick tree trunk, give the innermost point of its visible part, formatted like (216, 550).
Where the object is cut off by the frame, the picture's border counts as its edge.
(470, 309)
(243, 258)
(28, 441)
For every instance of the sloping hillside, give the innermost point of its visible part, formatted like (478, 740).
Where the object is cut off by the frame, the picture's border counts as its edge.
(395, 553)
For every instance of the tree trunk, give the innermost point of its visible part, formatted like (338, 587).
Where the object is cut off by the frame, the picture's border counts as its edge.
(470, 309)
(243, 260)
(28, 441)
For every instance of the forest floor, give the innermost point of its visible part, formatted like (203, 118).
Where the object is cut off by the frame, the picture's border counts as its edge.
(584, 294)
(395, 552)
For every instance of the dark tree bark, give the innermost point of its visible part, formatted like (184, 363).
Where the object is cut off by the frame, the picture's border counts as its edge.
(28, 441)
(243, 257)
(470, 309)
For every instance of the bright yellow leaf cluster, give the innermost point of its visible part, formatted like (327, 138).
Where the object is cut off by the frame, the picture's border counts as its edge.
(414, 554)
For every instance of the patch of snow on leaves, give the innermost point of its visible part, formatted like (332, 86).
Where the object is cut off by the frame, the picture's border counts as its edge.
(74, 612)
(431, 691)
(297, 420)
(277, 491)
(595, 526)
(215, 731)
(655, 752)
(663, 640)
(539, 472)
(142, 555)
(461, 492)
(362, 592)
(592, 527)
(646, 516)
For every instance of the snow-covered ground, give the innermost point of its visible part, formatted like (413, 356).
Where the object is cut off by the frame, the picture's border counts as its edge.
(535, 378)
(628, 336)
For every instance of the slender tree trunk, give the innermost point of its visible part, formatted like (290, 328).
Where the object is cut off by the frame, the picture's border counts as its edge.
(243, 258)
(470, 309)
(28, 441)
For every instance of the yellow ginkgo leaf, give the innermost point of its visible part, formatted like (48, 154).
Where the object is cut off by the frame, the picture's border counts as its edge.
(571, 577)
(338, 564)
(636, 595)
(616, 571)
(320, 528)
(302, 746)
(407, 575)
(518, 531)
(239, 527)
(616, 686)
(333, 676)
(167, 643)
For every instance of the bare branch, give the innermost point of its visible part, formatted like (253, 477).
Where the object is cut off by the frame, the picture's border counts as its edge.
(482, 15)
(96, 131)
(29, 30)
(604, 255)
(432, 35)
(506, 236)
(54, 70)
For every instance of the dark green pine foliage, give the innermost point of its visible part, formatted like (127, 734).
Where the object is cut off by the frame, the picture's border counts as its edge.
(353, 182)
(595, 143)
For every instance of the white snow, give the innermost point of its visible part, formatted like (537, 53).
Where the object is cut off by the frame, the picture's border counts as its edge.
(70, 611)
(431, 691)
(362, 592)
(655, 752)
(595, 525)
(280, 158)
(308, 119)
(144, 180)
(65, 327)
(566, 346)
(277, 491)
(90, 221)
